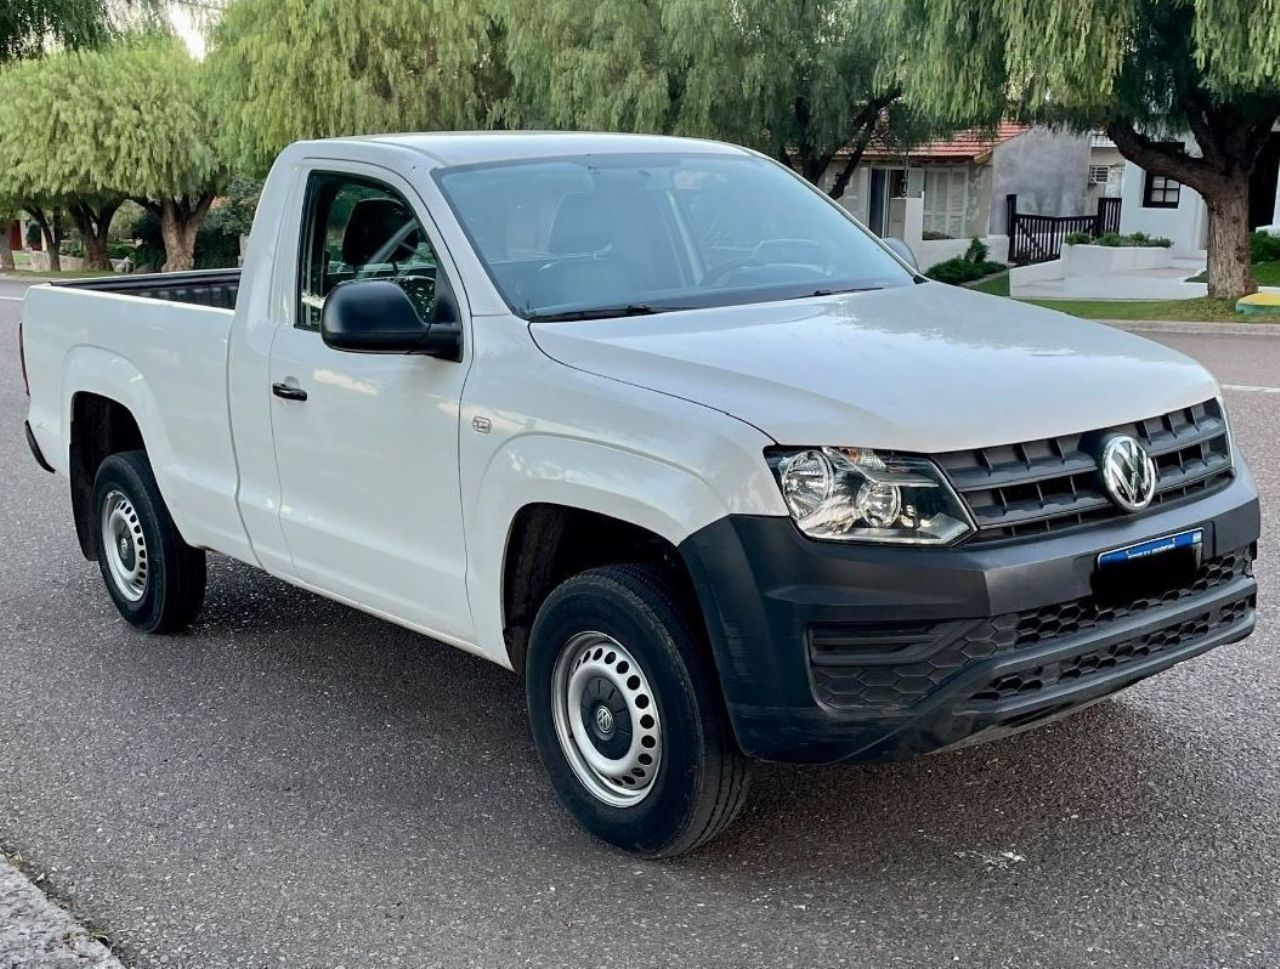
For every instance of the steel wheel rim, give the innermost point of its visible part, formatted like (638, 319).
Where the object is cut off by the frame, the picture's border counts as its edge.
(124, 546)
(618, 766)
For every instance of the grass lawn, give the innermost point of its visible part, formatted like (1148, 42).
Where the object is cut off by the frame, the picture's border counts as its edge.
(1267, 274)
(1203, 309)
(997, 285)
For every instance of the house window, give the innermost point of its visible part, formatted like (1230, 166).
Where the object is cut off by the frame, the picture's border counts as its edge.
(1160, 192)
(1098, 174)
(946, 200)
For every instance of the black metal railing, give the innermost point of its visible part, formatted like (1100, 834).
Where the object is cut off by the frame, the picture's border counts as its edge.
(1039, 238)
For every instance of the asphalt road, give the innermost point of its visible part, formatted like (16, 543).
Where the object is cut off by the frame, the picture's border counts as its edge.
(296, 784)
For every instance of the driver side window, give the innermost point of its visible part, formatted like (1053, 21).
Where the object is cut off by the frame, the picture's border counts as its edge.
(355, 228)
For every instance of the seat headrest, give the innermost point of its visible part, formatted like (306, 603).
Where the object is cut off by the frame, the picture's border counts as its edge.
(372, 225)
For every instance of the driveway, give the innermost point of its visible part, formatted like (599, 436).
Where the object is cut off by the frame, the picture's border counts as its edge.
(296, 784)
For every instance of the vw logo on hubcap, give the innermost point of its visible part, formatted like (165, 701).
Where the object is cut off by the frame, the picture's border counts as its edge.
(1129, 473)
(604, 720)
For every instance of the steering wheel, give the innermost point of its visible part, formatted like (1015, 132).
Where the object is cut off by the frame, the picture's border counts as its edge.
(717, 276)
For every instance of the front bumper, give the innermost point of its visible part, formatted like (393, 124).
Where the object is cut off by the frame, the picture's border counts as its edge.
(830, 652)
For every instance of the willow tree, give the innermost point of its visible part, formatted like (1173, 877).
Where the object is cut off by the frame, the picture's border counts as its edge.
(284, 70)
(84, 130)
(27, 26)
(1148, 72)
(808, 83)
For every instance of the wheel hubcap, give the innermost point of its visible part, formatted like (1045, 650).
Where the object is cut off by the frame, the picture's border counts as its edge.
(124, 546)
(606, 719)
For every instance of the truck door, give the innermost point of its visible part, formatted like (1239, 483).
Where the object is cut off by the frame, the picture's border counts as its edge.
(367, 444)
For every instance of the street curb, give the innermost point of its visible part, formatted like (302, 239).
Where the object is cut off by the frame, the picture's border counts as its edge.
(1181, 326)
(36, 932)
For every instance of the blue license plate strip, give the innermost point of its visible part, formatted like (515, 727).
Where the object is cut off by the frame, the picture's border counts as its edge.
(1157, 546)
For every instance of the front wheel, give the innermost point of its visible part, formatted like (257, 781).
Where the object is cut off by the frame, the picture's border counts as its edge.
(627, 714)
(156, 580)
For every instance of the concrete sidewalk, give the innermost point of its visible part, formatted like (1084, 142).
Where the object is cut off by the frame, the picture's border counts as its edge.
(37, 934)
(1164, 282)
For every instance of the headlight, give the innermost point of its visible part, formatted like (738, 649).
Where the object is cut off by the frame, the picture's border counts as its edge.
(852, 494)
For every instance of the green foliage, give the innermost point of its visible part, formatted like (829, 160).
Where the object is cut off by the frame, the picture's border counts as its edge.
(284, 70)
(26, 25)
(1115, 240)
(1084, 63)
(930, 235)
(124, 225)
(126, 120)
(1264, 247)
(1077, 238)
(233, 215)
(806, 79)
(961, 269)
(977, 251)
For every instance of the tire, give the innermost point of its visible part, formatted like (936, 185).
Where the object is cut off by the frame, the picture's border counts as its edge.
(156, 579)
(618, 638)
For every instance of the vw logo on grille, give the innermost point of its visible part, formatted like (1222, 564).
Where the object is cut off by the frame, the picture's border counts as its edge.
(1128, 472)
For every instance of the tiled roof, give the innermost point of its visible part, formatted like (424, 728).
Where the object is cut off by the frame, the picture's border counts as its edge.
(975, 144)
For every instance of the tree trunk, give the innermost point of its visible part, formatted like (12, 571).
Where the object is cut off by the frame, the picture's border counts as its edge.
(6, 250)
(51, 244)
(1230, 269)
(1230, 147)
(94, 225)
(180, 221)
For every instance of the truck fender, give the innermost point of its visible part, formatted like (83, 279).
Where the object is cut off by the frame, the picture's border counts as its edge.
(642, 490)
(93, 370)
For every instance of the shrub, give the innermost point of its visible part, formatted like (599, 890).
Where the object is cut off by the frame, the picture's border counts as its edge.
(1077, 238)
(1116, 241)
(977, 251)
(963, 270)
(929, 235)
(1264, 247)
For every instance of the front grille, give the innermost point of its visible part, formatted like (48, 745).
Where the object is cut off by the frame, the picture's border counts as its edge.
(1035, 487)
(1078, 667)
(876, 665)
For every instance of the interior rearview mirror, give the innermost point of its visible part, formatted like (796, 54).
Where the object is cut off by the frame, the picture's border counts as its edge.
(902, 251)
(378, 316)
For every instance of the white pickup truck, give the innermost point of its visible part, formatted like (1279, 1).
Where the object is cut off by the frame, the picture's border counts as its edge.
(657, 425)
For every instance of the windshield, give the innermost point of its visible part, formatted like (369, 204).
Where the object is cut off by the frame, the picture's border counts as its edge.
(612, 235)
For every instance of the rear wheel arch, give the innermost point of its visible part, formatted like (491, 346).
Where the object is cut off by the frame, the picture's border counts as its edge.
(100, 427)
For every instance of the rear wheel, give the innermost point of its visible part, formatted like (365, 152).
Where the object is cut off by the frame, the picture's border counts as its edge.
(627, 714)
(156, 580)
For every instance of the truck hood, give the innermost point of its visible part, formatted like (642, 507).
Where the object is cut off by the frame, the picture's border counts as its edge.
(926, 368)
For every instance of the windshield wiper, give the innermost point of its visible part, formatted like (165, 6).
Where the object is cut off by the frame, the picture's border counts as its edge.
(837, 291)
(602, 313)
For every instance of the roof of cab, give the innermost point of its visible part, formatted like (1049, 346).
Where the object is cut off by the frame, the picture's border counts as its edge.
(448, 148)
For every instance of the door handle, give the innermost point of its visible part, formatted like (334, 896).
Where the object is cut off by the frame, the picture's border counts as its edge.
(288, 391)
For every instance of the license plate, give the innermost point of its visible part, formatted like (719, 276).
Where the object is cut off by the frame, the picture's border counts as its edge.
(1192, 540)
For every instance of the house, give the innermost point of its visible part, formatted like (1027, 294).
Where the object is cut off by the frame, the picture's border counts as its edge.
(1106, 170)
(964, 180)
(1162, 206)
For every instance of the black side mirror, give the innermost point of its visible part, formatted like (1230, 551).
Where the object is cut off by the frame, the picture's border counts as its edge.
(378, 316)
